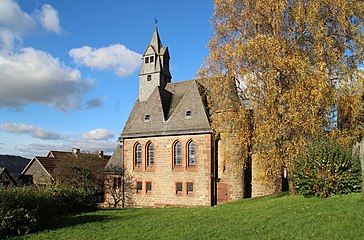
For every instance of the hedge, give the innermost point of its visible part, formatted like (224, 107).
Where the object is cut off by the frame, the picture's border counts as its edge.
(25, 209)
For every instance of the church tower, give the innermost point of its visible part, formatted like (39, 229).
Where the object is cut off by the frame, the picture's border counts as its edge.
(155, 68)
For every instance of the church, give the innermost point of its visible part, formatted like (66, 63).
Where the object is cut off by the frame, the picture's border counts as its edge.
(167, 144)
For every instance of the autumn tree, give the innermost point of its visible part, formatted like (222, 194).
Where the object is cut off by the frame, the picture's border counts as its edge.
(293, 64)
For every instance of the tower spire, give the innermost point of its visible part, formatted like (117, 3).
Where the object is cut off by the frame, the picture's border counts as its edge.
(155, 67)
(155, 42)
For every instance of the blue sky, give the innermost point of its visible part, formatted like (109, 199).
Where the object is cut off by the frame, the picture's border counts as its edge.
(69, 69)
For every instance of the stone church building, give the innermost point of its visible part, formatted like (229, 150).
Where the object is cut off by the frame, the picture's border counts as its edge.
(168, 146)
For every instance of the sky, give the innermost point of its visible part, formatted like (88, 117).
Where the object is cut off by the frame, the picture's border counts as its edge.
(69, 69)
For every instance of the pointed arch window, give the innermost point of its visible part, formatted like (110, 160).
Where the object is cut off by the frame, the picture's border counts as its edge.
(138, 155)
(150, 155)
(191, 153)
(177, 158)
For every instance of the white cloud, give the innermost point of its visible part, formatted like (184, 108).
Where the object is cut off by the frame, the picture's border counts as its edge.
(115, 57)
(33, 131)
(48, 17)
(98, 134)
(7, 39)
(12, 17)
(35, 76)
(38, 149)
(32, 76)
(14, 23)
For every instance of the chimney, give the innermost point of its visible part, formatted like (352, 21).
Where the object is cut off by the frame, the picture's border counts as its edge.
(101, 154)
(75, 151)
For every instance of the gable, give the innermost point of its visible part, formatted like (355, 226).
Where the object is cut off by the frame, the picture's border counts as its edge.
(167, 112)
(36, 169)
(149, 51)
(5, 176)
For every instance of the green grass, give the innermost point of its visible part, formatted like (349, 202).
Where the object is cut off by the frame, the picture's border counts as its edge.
(273, 217)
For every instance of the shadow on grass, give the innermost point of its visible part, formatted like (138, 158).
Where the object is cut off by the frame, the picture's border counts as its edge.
(267, 197)
(65, 221)
(72, 220)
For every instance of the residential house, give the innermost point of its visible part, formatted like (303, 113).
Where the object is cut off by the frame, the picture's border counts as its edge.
(41, 170)
(6, 180)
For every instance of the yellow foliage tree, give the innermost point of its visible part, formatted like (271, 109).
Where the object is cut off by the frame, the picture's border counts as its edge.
(294, 64)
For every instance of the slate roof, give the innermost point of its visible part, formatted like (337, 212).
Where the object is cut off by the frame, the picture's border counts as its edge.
(167, 112)
(113, 165)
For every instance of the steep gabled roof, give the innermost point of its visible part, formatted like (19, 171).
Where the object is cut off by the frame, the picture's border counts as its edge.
(167, 110)
(50, 164)
(114, 164)
(53, 158)
(3, 170)
(59, 154)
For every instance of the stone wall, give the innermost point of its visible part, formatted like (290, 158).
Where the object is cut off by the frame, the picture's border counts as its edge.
(261, 184)
(163, 176)
(230, 170)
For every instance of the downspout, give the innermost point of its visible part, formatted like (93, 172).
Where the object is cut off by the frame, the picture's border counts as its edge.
(122, 174)
(214, 174)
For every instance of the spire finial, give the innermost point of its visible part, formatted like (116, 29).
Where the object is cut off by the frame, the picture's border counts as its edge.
(156, 23)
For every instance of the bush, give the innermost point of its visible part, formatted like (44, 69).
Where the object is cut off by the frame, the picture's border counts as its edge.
(74, 200)
(17, 221)
(327, 169)
(24, 209)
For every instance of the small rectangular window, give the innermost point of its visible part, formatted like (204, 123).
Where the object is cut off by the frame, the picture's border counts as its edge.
(117, 182)
(188, 114)
(139, 186)
(146, 118)
(149, 78)
(178, 187)
(146, 59)
(151, 59)
(189, 187)
(148, 186)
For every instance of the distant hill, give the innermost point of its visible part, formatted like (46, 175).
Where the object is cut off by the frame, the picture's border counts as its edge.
(14, 164)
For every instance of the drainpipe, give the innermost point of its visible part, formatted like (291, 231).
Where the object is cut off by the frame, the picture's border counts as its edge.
(213, 172)
(122, 174)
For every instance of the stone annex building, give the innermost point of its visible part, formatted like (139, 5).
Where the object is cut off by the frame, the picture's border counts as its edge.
(167, 143)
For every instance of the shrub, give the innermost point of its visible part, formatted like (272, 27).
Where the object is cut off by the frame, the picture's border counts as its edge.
(74, 200)
(17, 221)
(327, 169)
(24, 209)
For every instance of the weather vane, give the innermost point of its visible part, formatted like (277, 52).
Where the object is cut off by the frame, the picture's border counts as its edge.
(156, 22)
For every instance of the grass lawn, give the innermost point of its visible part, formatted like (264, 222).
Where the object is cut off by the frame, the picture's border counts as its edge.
(273, 217)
